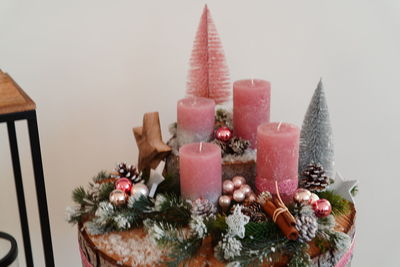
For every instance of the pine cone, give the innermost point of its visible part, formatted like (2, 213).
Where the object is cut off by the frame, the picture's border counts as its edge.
(314, 178)
(223, 117)
(307, 226)
(203, 207)
(127, 171)
(238, 146)
(254, 211)
(222, 145)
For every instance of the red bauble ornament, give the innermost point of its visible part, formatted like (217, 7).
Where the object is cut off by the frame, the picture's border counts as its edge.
(124, 184)
(223, 134)
(322, 207)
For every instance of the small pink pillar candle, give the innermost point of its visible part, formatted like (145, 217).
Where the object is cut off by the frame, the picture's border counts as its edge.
(251, 107)
(196, 118)
(277, 158)
(200, 171)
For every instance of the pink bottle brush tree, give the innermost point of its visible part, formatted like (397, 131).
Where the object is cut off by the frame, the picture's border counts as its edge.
(208, 73)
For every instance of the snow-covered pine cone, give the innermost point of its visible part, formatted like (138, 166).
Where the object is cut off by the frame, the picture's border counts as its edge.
(203, 207)
(314, 178)
(238, 146)
(254, 211)
(127, 171)
(264, 197)
(307, 226)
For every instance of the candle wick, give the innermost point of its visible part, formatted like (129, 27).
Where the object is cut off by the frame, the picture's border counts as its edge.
(279, 125)
(201, 146)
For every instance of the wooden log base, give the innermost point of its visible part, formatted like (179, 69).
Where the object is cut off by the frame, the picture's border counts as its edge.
(97, 249)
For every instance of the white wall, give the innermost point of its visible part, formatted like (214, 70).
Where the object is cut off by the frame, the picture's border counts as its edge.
(94, 68)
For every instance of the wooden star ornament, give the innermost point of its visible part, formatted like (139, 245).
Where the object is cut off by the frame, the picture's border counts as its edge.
(152, 149)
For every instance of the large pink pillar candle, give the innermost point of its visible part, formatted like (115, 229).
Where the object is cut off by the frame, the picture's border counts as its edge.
(200, 171)
(277, 158)
(251, 106)
(196, 118)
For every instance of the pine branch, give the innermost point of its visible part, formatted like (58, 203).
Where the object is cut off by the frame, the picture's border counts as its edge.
(183, 250)
(170, 184)
(102, 175)
(105, 190)
(338, 203)
(354, 191)
(79, 195)
(173, 210)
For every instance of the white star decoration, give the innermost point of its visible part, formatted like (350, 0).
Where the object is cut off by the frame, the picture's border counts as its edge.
(156, 178)
(343, 187)
(236, 222)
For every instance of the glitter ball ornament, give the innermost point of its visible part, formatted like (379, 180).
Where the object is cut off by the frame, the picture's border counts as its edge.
(238, 195)
(118, 197)
(223, 134)
(246, 189)
(322, 207)
(302, 196)
(252, 197)
(236, 190)
(123, 184)
(225, 202)
(139, 190)
(228, 187)
(313, 198)
(238, 181)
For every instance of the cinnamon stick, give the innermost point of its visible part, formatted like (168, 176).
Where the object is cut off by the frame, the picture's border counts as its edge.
(287, 229)
(289, 219)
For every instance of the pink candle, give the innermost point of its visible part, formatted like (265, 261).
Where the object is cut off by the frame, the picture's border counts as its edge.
(196, 118)
(251, 105)
(277, 158)
(200, 171)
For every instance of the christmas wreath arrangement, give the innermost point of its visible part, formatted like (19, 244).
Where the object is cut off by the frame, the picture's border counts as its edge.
(228, 188)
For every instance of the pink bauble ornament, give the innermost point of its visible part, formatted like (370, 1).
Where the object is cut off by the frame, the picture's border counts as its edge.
(139, 190)
(223, 134)
(252, 197)
(246, 189)
(224, 202)
(313, 198)
(123, 184)
(228, 187)
(238, 195)
(322, 207)
(118, 197)
(238, 181)
(302, 196)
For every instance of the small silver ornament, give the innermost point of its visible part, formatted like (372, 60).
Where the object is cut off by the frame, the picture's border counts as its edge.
(313, 198)
(118, 197)
(228, 187)
(302, 196)
(238, 181)
(224, 202)
(238, 195)
(139, 190)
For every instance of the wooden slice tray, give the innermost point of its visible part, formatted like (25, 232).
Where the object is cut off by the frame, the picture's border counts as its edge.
(95, 255)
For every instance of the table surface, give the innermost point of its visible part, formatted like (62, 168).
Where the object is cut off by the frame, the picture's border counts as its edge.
(12, 97)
